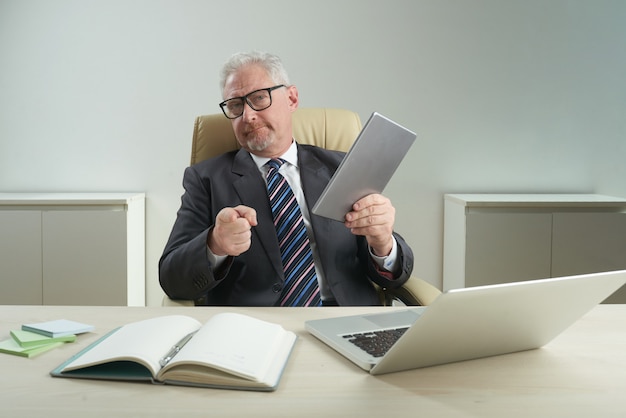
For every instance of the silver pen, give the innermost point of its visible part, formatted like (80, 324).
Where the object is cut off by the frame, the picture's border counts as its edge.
(176, 348)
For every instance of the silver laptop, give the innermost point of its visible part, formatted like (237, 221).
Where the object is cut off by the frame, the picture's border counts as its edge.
(366, 168)
(468, 323)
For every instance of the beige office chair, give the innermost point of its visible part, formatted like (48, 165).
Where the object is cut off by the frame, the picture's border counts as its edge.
(334, 129)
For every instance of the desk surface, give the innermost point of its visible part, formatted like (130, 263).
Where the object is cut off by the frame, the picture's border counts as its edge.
(581, 373)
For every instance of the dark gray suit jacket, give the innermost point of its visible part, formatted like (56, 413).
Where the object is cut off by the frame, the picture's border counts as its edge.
(256, 278)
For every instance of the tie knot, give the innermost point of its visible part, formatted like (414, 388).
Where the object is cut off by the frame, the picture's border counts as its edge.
(275, 163)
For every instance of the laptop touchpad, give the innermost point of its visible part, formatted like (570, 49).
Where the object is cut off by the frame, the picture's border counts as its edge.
(394, 319)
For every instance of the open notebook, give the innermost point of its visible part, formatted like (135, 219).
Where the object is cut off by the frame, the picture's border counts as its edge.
(468, 323)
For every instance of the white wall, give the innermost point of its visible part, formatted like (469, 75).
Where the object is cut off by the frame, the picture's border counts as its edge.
(506, 96)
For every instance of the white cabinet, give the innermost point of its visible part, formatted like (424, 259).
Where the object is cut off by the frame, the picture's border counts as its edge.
(498, 238)
(72, 248)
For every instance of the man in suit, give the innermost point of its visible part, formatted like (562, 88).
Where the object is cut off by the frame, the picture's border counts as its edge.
(223, 248)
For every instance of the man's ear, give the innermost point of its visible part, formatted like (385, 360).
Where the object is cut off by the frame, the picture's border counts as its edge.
(292, 96)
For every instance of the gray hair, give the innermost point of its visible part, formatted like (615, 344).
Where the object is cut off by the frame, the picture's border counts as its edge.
(271, 63)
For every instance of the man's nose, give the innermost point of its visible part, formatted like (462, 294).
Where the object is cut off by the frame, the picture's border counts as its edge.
(248, 112)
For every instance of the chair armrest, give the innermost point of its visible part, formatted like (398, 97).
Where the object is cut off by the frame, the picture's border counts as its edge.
(415, 292)
(176, 302)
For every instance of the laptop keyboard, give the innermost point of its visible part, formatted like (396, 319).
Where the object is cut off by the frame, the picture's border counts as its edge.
(376, 343)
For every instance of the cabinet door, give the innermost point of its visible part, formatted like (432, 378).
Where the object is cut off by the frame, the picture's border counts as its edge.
(507, 247)
(589, 243)
(84, 257)
(20, 257)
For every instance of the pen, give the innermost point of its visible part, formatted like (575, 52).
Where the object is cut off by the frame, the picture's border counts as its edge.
(175, 349)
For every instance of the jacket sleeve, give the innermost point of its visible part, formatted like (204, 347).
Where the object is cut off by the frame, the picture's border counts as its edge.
(398, 278)
(184, 268)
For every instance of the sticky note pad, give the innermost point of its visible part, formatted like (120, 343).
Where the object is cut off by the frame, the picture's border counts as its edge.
(58, 328)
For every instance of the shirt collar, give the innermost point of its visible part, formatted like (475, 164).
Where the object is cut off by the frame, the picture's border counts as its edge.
(291, 156)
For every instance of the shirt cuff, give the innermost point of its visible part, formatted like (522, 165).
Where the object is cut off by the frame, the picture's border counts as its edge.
(388, 263)
(215, 261)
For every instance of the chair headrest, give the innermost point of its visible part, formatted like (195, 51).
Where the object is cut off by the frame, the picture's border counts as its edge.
(334, 129)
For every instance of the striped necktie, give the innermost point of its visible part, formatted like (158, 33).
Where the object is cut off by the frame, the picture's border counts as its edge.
(301, 287)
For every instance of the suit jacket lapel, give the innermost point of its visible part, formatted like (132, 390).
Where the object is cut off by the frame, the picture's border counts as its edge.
(314, 176)
(252, 191)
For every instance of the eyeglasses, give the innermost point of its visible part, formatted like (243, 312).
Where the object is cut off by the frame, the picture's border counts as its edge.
(258, 100)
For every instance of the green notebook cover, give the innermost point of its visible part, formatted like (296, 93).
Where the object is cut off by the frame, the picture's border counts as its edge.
(28, 339)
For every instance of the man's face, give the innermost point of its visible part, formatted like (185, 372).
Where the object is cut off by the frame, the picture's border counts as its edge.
(267, 132)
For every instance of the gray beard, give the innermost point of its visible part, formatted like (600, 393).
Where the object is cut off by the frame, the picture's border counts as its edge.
(258, 146)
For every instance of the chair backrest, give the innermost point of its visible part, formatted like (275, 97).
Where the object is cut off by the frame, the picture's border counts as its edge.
(334, 129)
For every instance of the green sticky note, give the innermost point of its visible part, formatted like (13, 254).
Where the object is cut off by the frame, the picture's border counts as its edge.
(10, 346)
(30, 339)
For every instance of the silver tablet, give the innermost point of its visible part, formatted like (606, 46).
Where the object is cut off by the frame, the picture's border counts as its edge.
(366, 168)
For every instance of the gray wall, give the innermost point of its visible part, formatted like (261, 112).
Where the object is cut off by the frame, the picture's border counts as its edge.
(506, 96)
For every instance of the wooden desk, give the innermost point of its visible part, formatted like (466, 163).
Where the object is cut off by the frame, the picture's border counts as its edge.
(581, 373)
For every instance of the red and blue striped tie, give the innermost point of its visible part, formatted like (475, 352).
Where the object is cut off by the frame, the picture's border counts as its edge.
(301, 288)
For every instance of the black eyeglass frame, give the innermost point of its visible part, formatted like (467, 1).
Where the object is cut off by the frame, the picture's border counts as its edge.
(244, 99)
